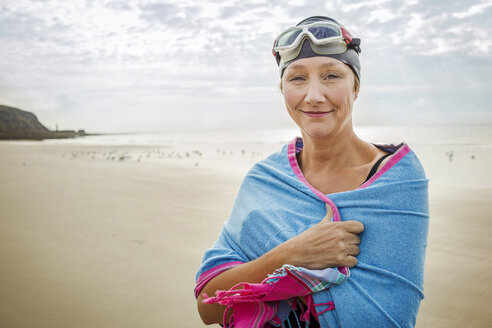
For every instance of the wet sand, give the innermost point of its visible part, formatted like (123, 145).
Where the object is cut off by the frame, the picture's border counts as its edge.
(87, 240)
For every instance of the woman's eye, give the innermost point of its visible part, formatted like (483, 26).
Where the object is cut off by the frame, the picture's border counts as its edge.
(331, 76)
(297, 78)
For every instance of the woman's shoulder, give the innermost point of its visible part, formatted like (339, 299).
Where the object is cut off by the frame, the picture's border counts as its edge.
(274, 161)
(402, 159)
(273, 170)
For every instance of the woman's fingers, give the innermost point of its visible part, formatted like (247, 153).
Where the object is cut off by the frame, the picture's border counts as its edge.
(351, 261)
(354, 250)
(353, 226)
(350, 226)
(326, 244)
(353, 239)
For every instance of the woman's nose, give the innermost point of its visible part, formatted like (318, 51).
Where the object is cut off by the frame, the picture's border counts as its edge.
(314, 93)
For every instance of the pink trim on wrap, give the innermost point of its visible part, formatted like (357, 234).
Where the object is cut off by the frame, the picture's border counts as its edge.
(395, 158)
(297, 170)
(208, 275)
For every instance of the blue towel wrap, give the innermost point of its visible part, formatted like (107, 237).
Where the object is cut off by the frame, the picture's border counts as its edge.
(275, 203)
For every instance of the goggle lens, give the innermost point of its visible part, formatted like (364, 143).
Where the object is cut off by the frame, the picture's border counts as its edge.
(323, 32)
(288, 37)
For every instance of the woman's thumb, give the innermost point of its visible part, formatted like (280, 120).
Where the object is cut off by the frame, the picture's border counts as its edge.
(329, 213)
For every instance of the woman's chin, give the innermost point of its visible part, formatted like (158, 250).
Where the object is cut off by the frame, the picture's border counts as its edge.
(318, 130)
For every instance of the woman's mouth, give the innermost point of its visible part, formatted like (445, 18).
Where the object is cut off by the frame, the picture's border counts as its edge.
(317, 114)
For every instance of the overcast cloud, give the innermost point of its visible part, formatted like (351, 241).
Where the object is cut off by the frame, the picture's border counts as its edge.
(157, 65)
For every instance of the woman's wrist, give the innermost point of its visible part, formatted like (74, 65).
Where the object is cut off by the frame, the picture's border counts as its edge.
(283, 254)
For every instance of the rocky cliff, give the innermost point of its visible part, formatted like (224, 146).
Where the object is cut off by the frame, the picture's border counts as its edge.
(20, 124)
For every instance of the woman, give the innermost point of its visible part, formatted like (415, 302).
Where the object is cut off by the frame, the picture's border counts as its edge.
(380, 192)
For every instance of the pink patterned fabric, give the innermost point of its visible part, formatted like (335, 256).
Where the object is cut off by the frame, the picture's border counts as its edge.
(255, 305)
(208, 275)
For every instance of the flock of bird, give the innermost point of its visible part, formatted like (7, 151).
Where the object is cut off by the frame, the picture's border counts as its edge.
(153, 154)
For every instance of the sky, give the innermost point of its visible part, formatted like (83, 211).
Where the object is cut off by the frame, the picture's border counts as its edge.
(149, 66)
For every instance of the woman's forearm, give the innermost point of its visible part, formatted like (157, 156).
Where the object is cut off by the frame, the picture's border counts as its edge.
(253, 272)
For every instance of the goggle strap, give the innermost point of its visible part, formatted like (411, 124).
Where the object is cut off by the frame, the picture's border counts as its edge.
(355, 44)
(346, 35)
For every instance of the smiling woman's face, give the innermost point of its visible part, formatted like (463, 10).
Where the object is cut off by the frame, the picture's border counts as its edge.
(319, 94)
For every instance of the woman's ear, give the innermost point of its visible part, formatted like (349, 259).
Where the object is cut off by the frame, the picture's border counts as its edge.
(356, 86)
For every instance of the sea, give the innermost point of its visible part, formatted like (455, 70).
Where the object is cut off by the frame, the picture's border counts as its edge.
(454, 155)
(460, 135)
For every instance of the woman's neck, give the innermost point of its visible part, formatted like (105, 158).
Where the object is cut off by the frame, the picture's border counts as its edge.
(335, 154)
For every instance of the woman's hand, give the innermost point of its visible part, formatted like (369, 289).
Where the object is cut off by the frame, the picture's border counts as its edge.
(325, 245)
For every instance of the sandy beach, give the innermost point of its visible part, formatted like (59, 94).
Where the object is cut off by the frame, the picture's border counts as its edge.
(111, 236)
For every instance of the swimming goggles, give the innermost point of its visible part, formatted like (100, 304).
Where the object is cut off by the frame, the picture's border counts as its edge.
(326, 38)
